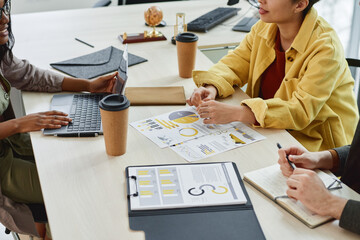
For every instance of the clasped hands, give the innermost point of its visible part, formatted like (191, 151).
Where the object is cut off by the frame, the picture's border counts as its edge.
(214, 112)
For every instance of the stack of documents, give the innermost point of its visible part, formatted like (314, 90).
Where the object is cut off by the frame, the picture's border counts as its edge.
(185, 133)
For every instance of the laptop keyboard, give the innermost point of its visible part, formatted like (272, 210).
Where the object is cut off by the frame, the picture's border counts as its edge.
(85, 113)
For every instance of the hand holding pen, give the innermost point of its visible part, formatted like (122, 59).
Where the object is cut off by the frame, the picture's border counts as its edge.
(292, 165)
(303, 159)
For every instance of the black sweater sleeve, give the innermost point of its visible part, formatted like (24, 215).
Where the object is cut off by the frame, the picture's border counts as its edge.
(343, 153)
(350, 217)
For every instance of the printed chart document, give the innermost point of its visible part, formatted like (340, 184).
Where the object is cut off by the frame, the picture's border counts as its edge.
(184, 131)
(272, 183)
(237, 136)
(176, 127)
(182, 186)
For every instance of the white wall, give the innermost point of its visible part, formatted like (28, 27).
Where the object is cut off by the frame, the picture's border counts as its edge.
(25, 6)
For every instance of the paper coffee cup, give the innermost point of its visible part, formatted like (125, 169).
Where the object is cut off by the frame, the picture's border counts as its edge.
(114, 110)
(186, 45)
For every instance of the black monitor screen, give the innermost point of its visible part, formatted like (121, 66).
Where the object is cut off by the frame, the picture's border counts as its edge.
(232, 2)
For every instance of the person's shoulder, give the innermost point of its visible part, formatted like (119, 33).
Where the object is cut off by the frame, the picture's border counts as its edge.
(324, 37)
(324, 32)
(9, 59)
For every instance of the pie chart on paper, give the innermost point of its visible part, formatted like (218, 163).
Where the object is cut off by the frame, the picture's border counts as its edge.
(183, 117)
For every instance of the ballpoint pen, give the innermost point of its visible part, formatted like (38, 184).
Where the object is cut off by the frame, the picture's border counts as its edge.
(84, 42)
(292, 165)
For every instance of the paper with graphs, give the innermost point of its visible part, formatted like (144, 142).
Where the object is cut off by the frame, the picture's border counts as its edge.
(185, 133)
(184, 185)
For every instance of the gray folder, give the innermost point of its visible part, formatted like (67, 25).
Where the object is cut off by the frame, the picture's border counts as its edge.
(95, 64)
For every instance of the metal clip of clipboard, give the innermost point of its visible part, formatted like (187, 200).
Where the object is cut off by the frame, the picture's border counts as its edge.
(133, 183)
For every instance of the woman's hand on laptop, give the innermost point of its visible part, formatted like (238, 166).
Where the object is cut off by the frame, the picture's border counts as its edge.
(41, 120)
(103, 83)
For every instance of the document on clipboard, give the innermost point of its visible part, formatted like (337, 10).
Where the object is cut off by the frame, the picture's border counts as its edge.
(186, 201)
(188, 185)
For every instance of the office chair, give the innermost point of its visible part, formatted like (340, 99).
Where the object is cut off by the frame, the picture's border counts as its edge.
(39, 214)
(355, 63)
(102, 3)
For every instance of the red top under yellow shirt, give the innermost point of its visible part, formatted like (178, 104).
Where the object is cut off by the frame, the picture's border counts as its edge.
(274, 74)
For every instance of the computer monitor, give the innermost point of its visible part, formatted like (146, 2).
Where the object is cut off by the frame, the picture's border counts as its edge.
(232, 2)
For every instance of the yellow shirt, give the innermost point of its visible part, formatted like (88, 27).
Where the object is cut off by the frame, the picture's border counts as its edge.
(315, 101)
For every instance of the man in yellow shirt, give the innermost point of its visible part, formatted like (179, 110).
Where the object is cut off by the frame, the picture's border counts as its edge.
(297, 76)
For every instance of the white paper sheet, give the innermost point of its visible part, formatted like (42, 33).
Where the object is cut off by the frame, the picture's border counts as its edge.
(216, 143)
(176, 127)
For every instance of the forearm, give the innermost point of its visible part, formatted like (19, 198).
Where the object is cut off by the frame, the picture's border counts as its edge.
(325, 160)
(212, 89)
(245, 115)
(335, 206)
(9, 128)
(75, 84)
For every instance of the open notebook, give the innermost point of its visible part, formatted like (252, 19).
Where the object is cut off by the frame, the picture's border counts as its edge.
(272, 183)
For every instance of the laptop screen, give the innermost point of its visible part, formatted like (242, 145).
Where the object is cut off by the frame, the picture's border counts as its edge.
(121, 77)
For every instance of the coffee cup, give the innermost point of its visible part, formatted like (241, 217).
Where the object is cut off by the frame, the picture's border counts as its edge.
(186, 45)
(114, 110)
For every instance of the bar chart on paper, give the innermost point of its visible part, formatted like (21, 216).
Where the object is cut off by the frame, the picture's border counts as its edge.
(186, 134)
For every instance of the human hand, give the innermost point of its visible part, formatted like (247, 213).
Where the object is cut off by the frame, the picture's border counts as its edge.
(202, 94)
(38, 121)
(305, 186)
(103, 83)
(304, 159)
(216, 112)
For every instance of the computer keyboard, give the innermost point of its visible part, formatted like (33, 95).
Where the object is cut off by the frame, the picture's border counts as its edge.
(245, 24)
(209, 20)
(85, 113)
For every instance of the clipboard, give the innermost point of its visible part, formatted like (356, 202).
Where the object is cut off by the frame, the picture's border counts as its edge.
(95, 64)
(211, 222)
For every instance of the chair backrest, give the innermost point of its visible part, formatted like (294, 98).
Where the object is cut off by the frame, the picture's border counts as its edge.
(354, 65)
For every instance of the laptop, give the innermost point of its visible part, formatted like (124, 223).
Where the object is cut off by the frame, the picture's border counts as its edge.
(83, 108)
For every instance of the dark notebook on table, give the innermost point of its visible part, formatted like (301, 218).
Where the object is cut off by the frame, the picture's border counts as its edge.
(83, 108)
(96, 64)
